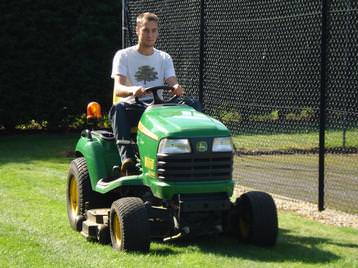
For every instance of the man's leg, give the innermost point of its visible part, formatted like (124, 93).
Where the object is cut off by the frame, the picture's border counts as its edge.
(121, 129)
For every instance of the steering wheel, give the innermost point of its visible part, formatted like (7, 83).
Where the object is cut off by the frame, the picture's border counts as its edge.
(156, 99)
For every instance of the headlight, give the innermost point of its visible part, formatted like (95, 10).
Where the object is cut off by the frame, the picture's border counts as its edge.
(174, 146)
(222, 144)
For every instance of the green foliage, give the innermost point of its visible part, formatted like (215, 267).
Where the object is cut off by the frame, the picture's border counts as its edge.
(305, 114)
(105, 123)
(57, 58)
(33, 125)
(73, 122)
(78, 122)
(230, 116)
(273, 116)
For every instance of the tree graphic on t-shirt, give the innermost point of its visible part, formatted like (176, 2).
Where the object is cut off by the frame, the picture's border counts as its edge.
(146, 73)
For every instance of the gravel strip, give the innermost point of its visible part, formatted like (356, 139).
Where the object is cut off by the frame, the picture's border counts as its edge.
(309, 210)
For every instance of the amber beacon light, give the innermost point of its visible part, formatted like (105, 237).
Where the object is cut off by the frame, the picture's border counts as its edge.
(94, 111)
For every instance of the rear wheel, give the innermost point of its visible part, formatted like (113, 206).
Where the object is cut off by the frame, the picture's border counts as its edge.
(257, 218)
(78, 193)
(129, 225)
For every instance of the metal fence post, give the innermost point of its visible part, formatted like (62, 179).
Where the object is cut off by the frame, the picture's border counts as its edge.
(124, 26)
(127, 33)
(322, 121)
(201, 52)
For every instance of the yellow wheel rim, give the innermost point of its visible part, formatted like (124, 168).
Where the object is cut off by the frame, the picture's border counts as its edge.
(117, 229)
(74, 196)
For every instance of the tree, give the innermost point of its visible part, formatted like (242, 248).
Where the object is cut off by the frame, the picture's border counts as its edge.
(146, 73)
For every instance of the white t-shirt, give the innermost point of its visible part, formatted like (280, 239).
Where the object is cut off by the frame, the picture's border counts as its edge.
(142, 70)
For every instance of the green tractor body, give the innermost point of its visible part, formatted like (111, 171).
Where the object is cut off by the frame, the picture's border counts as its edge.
(194, 172)
(184, 186)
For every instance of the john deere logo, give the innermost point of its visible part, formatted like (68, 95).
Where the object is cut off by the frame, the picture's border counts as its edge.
(201, 146)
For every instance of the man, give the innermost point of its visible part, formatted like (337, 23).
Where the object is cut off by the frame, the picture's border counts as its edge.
(134, 69)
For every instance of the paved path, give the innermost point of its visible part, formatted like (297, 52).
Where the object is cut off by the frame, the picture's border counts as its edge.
(296, 176)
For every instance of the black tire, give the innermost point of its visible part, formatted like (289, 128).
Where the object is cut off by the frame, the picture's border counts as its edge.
(257, 218)
(103, 235)
(129, 225)
(79, 192)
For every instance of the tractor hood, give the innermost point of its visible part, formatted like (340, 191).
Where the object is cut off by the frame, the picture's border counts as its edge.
(179, 121)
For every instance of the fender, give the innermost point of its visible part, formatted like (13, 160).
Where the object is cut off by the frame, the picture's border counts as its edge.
(100, 155)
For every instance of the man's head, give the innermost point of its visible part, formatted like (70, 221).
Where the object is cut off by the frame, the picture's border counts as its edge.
(147, 29)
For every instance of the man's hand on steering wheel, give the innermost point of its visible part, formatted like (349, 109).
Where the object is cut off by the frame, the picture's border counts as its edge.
(140, 91)
(177, 90)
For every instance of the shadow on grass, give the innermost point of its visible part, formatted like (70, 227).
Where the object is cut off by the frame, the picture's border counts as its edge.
(163, 252)
(43, 146)
(289, 247)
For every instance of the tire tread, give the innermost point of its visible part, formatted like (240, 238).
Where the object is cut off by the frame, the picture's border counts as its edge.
(264, 225)
(134, 223)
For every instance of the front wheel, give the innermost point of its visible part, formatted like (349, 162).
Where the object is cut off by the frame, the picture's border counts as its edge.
(256, 219)
(129, 225)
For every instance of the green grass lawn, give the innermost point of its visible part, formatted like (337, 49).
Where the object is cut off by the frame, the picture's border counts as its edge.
(34, 230)
(301, 141)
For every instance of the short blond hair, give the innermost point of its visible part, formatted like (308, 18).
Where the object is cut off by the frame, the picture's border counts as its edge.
(146, 16)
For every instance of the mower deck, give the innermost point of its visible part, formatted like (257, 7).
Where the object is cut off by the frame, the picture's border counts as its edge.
(96, 225)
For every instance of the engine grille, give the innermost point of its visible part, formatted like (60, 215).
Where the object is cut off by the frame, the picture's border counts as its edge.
(195, 166)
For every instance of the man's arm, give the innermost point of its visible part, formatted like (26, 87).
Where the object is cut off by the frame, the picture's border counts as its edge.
(122, 90)
(173, 82)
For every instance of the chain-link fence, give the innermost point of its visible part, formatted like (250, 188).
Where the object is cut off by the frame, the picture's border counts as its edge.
(256, 66)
